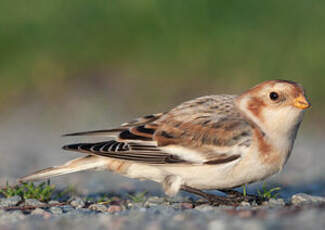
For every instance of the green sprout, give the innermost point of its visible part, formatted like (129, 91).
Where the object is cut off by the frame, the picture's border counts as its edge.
(268, 193)
(104, 199)
(41, 192)
(245, 190)
(138, 197)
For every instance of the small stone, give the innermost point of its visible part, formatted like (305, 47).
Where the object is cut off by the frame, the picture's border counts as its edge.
(98, 207)
(33, 202)
(303, 199)
(81, 212)
(41, 212)
(67, 208)
(154, 201)
(276, 202)
(114, 208)
(56, 210)
(54, 202)
(77, 203)
(245, 204)
(265, 203)
(204, 208)
(135, 205)
(12, 217)
(9, 202)
(186, 205)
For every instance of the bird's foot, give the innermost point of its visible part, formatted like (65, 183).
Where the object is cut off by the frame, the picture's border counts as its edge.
(233, 197)
(223, 200)
(241, 197)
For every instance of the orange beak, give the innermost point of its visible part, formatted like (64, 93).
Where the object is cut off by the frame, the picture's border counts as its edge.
(301, 102)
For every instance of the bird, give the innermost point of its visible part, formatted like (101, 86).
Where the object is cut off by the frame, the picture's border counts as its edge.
(217, 142)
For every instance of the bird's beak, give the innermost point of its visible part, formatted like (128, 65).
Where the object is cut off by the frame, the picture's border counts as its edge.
(301, 102)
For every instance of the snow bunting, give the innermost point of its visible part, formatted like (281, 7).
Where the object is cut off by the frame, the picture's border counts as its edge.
(212, 142)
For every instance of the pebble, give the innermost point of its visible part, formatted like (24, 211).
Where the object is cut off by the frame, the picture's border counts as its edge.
(135, 205)
(98, 207)
(33, 202)
(162, 214)
(54, 202)
(186, 205)
(9, 202)
(67, 208)
(276, 202)
(303, 199)
(41, 212)
(81, 212)
(245, 203)
(56, 210)
(114, 208)
(12, 217)
(77, 202)
(204, 208)
(154, 201)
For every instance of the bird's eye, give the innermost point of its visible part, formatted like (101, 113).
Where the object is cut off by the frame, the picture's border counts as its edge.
(274, 96)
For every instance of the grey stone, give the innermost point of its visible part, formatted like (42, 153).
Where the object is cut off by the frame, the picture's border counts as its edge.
(204, 208)
(303, 199)
(80, 212)
(41, 212)
(77, 203)
(54, 202)
(98, 207)
(12, 217)
(154, 201)
(276, 202)
(9, 202)
(135, 205)
(67, 208)
(245, 203)
(56, 210)
(33, 202)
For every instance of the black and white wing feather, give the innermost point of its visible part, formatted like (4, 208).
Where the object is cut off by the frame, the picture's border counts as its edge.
(207, 130)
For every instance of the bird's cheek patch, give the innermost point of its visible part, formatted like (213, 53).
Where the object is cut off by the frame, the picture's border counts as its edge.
(255, 106)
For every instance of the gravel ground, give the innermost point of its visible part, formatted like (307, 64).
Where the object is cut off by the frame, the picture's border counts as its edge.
(301, 211)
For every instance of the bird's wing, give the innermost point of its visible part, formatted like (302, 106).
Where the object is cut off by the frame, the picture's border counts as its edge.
(125, 126)
(207, 130)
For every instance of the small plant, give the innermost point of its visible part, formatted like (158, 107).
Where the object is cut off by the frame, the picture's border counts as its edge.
(138, 197)
(268, 193)
(42, 192)
(104, 200)
(245, 190)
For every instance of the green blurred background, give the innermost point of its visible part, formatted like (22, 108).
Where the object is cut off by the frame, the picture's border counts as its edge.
(153, 53)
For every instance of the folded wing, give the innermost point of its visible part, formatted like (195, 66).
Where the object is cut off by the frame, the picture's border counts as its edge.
(207, 130)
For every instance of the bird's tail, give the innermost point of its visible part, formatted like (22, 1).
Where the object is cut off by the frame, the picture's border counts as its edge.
(76, 165)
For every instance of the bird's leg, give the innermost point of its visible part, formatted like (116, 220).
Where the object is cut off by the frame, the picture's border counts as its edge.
(242, 197)
(212, 199)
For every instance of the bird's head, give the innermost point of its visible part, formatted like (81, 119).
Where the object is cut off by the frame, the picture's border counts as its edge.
(277, 106)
